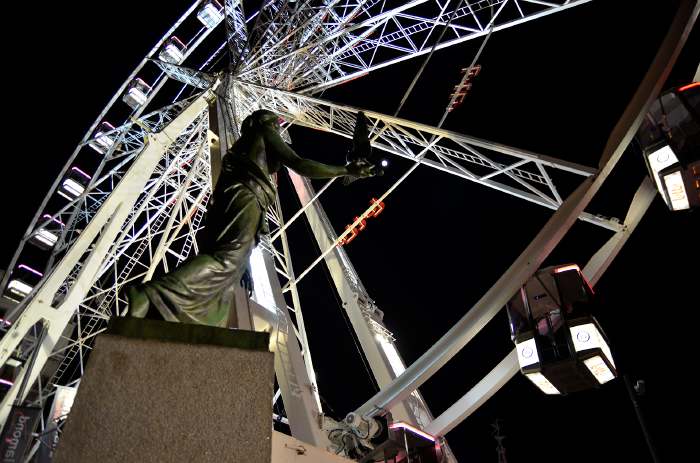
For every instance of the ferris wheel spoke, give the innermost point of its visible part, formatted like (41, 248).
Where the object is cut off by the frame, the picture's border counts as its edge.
(265, 20)
(58, 298)
(297, 41)
(303, 26)
(466, 157)
(193, 77)
(236, 31)
(271, 21)
(387, 38)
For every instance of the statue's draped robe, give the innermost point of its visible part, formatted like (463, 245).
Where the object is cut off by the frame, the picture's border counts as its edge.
(201, 290)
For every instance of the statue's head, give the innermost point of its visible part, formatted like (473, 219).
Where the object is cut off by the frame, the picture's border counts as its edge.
(260, 119)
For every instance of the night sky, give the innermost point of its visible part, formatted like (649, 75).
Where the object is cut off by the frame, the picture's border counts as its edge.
(555, 86)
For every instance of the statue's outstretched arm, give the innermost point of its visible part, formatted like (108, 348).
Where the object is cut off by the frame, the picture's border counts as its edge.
(276, 146)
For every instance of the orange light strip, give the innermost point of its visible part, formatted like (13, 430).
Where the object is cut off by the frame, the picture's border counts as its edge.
(408, 427)
(567, 268)
(689, 86)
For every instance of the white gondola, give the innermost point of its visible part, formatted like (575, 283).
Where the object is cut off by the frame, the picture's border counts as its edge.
(74, 184)
(23, 280)
(101, 142)
(136, 94)
(210, 14)
(47, 234)
(173, 51)
(561, 348)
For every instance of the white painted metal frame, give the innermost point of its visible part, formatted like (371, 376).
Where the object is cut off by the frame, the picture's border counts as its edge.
(376, 340)
(297, 386)
(307, 45)
(509, 366)
(197, 40)
(533, 256)
(348, 39)
(524, 172)
(87, 254)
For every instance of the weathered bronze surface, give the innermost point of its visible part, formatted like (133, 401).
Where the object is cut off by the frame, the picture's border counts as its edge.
(201, 289)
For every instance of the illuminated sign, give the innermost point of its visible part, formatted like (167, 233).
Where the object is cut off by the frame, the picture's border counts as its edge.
(587, 336)
(17, 433)
(676, 191)
(599, 369)
(63, 402)
(352, 230)
(543, 383)
(527, 353)
(659, 160)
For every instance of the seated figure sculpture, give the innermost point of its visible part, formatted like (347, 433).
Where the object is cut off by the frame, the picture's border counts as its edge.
(200, 291)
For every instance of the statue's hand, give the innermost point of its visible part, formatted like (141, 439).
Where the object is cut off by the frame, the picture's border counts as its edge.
(360, 168)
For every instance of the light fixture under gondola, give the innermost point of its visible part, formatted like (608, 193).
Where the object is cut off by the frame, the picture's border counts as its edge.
(561, 347)
(669, 138)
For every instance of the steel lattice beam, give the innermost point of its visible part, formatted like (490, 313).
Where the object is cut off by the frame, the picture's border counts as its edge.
(470, 158)
(364, 38)
(553, 232)
(88, 252)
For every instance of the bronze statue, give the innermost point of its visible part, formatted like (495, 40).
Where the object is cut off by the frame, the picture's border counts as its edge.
(200, 291)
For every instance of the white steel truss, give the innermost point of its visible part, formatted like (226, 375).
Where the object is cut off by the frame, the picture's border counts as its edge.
(342, 40)
(509, 367)
(59, 296)
(125, 224)
(548, 238)
(524, 173)
(376, 341)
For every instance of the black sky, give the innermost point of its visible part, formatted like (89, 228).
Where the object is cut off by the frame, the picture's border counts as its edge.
(555, 86)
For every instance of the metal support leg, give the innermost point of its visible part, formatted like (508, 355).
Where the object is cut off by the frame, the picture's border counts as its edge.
(552, 233)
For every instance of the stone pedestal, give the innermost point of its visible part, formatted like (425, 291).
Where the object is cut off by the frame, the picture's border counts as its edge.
(167, 392)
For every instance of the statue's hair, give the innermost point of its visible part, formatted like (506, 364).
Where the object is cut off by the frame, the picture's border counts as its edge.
(257, 119)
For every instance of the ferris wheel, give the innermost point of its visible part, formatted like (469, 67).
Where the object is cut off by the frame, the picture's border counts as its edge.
(133, 194)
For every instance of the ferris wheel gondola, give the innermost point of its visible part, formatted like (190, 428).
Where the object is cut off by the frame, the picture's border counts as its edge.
(292, 52)
(561, 346)
(670, 141)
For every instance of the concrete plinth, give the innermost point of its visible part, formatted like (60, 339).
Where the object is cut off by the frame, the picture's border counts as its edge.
(156, 391)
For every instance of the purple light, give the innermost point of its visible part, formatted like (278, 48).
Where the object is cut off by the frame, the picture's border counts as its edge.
(26, 267)
(48, 216)
(6, 382)
(408, 427)
(81, 172)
